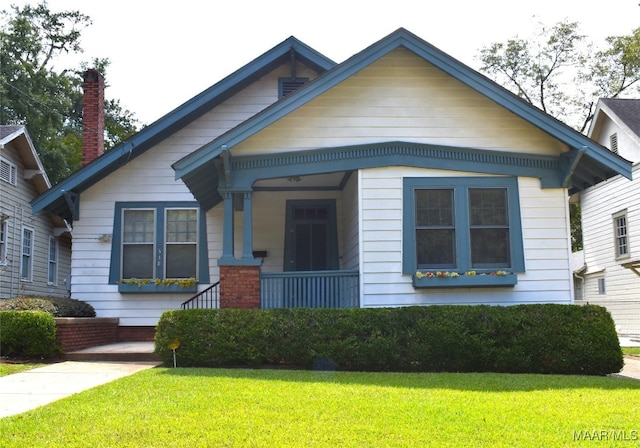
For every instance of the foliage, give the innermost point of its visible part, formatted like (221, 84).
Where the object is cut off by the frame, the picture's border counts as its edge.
(55, 306)
(521, 339)
(27, 333)
(49, 101)
(576, 226)
(559, 71)
(183, 407)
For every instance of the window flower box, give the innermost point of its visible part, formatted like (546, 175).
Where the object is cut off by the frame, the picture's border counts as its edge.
(465, 280)
(157, 286)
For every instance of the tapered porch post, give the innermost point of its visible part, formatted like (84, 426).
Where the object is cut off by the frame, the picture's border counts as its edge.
(239, 278)
(227, 227)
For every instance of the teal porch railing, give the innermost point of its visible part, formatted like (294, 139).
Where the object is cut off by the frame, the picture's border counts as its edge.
(309, 289)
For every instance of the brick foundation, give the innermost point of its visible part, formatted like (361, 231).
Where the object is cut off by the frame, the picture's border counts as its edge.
(76, 333)
(240, 287)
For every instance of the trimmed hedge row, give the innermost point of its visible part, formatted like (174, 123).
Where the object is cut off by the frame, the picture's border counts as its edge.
(27, 334)
(56, 306)
(547, 338)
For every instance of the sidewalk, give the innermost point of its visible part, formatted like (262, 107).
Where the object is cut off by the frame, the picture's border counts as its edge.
(28, 390)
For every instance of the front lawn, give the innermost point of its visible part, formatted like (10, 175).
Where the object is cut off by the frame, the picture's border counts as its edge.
(7, 368)
(166, 407)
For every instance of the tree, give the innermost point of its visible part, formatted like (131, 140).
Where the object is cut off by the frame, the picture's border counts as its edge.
(561, 73)
(49, 102)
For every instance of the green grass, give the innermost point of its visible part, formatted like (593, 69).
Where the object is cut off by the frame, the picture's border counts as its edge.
(8, 368)
(166, 407)
(631, 350)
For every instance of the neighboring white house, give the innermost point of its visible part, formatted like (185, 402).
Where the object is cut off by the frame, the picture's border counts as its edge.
(386, 180)
(35, 248)
(611, 220)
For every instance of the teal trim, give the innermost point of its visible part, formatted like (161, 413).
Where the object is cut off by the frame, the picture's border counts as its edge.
(53, 200)
(460, 186)
(247, 228)
(159, 207)
(227, 228)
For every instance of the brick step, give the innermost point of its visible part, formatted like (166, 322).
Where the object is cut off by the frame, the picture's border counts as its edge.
(120, 352)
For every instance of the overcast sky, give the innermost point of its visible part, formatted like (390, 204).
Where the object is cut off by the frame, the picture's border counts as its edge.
(163, 53)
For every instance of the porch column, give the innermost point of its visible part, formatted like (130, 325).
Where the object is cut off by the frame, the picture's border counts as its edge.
(227, 226)
(247, 227)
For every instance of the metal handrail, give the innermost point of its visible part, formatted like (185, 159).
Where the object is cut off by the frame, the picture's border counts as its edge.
(209, 298)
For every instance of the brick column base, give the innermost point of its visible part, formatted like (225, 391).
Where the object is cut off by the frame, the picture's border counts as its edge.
(240, 287)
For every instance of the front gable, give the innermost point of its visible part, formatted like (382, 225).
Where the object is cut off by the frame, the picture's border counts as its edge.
(322, 114)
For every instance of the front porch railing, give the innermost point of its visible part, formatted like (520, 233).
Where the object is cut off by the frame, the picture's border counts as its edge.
(309, 289)
(209, 298)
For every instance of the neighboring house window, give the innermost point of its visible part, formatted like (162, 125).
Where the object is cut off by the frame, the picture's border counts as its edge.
(613, 143)
(8, 172)
(158, 241)
(462, 224)
(620, 232)
(3, 242)
(53, 261)
(601, 287)
(26, 259)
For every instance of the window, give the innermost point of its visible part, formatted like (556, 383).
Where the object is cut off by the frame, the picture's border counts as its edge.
(620, 233)
(26, 259)
(164, 241)
(3, 242)
(601, 287)
(8, 172)
(462, 224)
(52, 278)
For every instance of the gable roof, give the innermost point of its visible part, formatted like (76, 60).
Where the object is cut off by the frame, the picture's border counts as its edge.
(595, 161)
(625, 112)
(19, 137)
(56, 200)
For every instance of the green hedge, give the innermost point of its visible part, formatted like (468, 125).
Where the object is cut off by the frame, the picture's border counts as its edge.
(566, 339)
(56, 306)
(27, 334)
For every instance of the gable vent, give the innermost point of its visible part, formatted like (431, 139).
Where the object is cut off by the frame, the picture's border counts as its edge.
(8, 172)
(613, 141)
(288, 85)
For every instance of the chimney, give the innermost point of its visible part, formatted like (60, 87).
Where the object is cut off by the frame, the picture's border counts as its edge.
(92, 116)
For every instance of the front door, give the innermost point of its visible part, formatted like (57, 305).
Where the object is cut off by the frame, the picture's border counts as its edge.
(311, 242)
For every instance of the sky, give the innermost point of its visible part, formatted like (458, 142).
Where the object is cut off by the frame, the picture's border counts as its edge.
(163, 53)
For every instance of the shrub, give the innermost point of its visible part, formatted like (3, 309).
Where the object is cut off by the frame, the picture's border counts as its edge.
(56, 306)
(27, 334)
(524, 338)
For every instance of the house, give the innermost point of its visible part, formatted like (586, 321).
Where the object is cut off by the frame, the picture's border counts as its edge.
(389, 179)
(610, 273)
(35, 248)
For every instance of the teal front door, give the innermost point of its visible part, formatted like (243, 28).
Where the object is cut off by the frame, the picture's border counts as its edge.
(311, 242)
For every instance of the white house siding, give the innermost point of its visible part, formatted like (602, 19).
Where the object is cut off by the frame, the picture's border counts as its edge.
(628, 142)
(622, 285)
(350, 252)
(545, 226)
(151, 178)
(400, 97)
(15, 205)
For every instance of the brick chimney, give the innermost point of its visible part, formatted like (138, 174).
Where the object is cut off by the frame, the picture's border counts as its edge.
(92, 116)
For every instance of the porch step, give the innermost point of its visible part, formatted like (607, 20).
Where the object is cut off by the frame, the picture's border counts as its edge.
(120, 352)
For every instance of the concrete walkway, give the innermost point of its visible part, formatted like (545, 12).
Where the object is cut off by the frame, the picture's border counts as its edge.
(28, 390)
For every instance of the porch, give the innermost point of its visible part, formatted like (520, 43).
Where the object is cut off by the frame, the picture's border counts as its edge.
(302, 289)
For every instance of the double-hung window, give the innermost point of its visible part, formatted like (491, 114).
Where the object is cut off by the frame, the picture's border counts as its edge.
(161, 243)
(53, 262)
(620, 232)
(3, 242)
(26, 258)
(464, 225)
